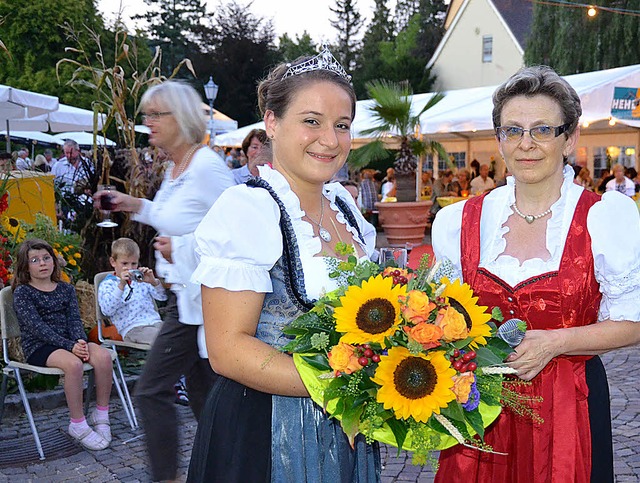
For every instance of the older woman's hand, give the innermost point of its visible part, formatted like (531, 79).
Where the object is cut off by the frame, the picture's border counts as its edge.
(119, 201)
(163, 245)
(534, 352)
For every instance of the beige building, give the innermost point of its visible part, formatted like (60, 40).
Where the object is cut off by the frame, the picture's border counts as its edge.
(483, 44)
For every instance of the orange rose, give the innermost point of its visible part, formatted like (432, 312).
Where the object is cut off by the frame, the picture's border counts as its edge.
(428, 335)
(462, 386)
(343, 359)
(416, 306)
(452, 324)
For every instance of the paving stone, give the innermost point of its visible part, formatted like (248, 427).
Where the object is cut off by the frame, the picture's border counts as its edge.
(126, 458)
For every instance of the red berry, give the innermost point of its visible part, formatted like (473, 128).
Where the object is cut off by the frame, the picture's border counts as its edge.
(363, 361)
(472, 366)
(456, 353)
(396, 273)
(464, 368)
(473, 354)
(457, 365)
(366, 346)
(468, 356)
(452, 359)
(368, 353)
(375, 358)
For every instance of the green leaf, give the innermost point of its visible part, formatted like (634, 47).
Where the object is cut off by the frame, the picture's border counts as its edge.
(351, 422)
(487, 357)
(318, 361)
(496, 314)
(399, 430)
(499, 347)
(474, 418)
(453, 412)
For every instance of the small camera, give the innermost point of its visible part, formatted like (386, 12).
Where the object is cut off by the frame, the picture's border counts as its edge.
(137, 275)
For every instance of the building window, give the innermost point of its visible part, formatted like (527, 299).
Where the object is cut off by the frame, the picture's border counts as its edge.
(459, 160)
(605, 157)
(487, 48)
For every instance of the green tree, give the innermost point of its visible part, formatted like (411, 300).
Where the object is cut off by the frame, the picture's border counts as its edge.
(370, 64)
(348, 24)
(237, 49)
(401, 61)
(290, 49)
(173, 25)
(405, 9)
(34, 33)
(608, 40)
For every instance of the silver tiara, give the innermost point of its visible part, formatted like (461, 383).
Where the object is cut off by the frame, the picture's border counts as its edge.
(323, 61)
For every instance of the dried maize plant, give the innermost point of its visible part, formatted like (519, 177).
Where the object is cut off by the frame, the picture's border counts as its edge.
(118, 80)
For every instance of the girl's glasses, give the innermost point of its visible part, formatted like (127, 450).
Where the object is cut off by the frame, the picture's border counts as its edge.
(36, 260)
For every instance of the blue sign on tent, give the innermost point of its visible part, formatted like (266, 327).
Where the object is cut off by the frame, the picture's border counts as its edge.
(626, 103)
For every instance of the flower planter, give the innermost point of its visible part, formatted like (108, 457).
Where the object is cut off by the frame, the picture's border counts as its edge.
(404, 222)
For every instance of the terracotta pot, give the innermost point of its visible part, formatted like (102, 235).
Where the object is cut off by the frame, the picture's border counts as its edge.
(404, 222)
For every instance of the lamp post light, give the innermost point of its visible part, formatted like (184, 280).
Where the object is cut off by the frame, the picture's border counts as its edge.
(211, 91)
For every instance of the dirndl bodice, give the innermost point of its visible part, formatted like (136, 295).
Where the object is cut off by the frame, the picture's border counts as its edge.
(558, 449)
(306, 446)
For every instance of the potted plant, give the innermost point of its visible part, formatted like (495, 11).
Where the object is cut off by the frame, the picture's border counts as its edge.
(405, 220)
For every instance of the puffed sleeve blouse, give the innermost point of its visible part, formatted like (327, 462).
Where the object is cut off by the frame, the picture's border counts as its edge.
(239, 240)
(613, 224)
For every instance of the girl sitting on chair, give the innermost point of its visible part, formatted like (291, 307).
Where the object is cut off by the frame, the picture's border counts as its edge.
(53, 336)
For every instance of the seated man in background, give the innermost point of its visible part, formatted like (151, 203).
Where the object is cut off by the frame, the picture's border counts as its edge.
(620, 182)
(482, 183)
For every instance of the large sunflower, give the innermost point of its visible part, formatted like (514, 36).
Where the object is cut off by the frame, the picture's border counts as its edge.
(369, 313)
(460, 297)
(414, 385)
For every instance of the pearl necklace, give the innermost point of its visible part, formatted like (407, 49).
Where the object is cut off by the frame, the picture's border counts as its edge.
(322, 232)
(185, 160)
(529, 218)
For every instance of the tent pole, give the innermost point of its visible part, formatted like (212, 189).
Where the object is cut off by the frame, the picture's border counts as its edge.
(8, 138)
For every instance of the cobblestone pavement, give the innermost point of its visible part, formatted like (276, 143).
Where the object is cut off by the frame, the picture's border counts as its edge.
(125, 460)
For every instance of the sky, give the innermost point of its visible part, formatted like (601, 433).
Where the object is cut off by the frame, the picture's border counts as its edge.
(289, 16)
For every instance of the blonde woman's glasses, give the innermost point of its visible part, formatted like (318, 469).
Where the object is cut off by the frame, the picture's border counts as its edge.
(512, 134)
(154, 116)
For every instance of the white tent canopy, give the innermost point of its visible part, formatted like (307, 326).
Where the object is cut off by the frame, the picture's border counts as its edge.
(235, 138)
(17, 104)
(467, 111)
(34, 136)
(85, 138)
(65, 118)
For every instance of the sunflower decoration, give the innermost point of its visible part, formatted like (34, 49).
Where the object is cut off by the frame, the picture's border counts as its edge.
(370, 312)
(13, 227)
(459, 296)
(414, 385)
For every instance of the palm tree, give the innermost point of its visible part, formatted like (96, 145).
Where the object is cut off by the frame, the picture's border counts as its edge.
(392, 113)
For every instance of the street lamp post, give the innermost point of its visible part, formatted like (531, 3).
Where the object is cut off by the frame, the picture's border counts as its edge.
(211, 91)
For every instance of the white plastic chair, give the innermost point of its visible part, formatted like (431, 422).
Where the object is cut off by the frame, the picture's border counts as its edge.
(10, 330)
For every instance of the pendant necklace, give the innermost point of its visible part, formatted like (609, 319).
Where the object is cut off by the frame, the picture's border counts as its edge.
(529, 218)
(322, 232)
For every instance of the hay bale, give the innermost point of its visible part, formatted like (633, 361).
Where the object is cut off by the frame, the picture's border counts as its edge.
(86, 303)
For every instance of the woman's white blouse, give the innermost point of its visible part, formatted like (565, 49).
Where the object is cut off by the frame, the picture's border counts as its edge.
(240, 240)
(613, 224)
(177, 209)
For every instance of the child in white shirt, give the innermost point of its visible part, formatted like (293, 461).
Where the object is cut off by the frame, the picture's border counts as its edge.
(127, 300)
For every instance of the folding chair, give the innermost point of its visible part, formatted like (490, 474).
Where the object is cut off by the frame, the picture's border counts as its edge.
(10, 330)
(114, 344)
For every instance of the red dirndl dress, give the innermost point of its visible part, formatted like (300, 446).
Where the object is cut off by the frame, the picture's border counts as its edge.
(560, 449)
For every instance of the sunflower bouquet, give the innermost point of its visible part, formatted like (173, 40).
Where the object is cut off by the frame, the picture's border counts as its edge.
(404, 357)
